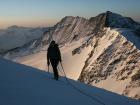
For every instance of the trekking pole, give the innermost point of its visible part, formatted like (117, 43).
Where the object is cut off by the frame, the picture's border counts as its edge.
(63, 70)
(60, 71)
(64, 73)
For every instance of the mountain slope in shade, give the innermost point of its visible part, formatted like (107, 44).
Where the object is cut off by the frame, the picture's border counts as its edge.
(118, 21)
(22, 85)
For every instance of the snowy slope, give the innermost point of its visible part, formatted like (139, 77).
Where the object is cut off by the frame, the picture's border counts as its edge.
(22, 85)
(131, 36)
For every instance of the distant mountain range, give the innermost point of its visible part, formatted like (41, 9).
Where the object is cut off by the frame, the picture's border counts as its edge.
(15, 37)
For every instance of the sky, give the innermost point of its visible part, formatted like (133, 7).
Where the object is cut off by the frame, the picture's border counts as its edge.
(40, 13)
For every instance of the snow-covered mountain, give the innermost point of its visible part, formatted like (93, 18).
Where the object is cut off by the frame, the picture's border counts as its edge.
(23, 85)
(113, 64)
(15, 37)
(114, 54)
(102, 51)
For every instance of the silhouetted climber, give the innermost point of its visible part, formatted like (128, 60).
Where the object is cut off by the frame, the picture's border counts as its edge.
(54, 56)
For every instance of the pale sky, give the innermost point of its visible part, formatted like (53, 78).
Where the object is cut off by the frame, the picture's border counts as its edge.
(34, 13)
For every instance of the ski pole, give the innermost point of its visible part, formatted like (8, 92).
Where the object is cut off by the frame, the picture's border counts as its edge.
(63, 69)
(64, 73)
